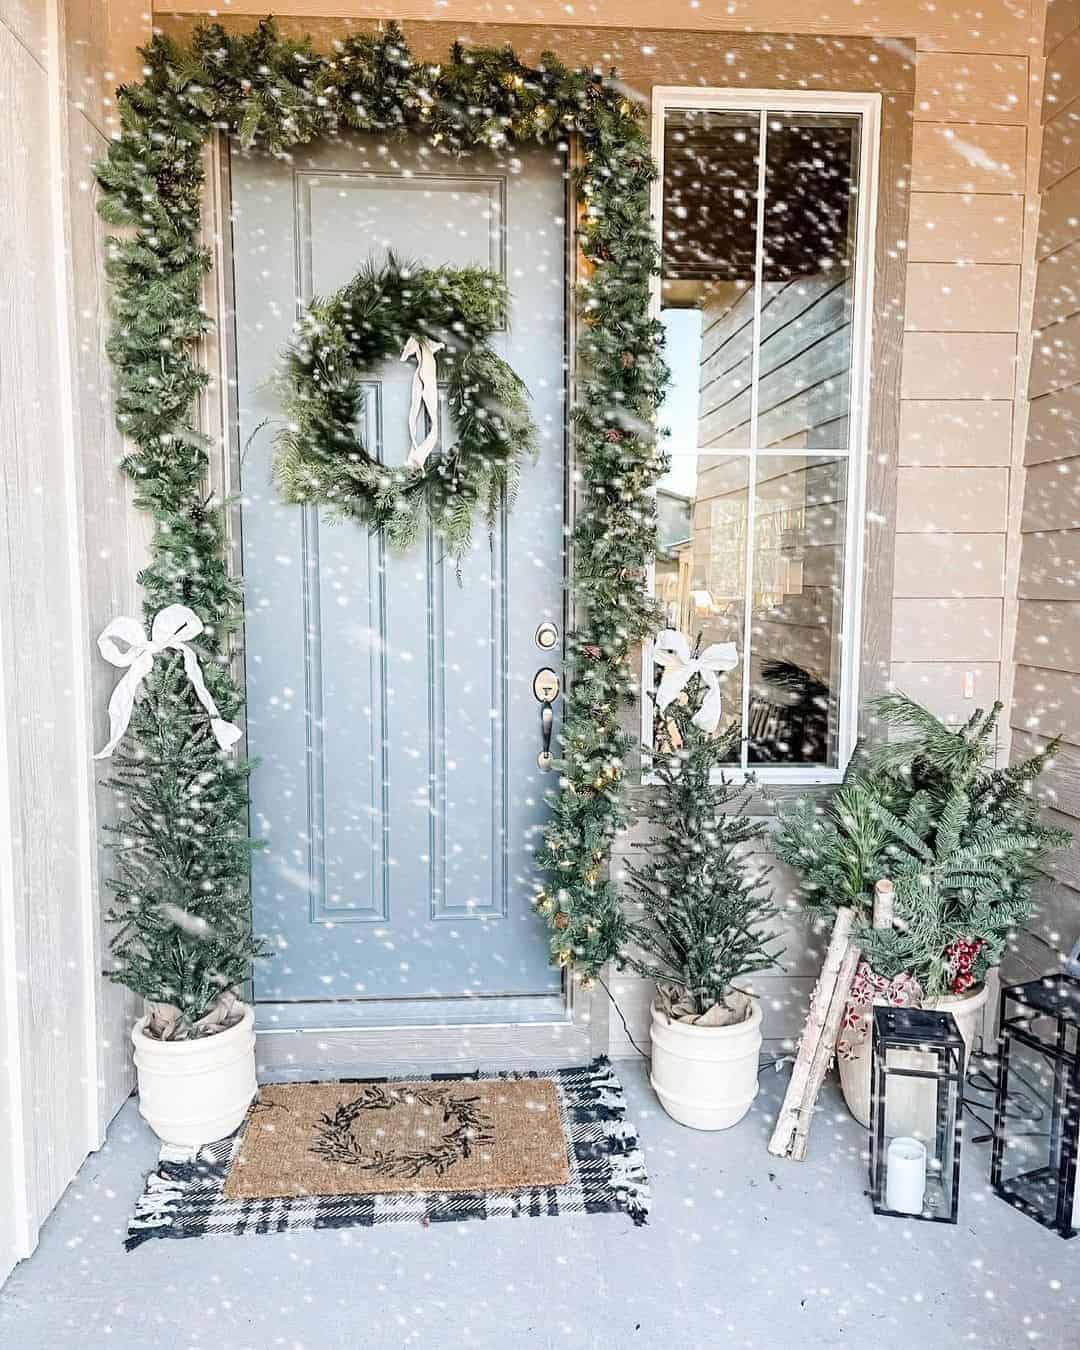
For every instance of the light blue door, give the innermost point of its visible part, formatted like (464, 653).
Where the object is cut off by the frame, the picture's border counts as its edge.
(391, 709)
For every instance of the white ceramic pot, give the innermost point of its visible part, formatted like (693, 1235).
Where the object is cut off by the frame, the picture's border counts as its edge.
(193, 1092)
(705, 1077)
(967, 1009)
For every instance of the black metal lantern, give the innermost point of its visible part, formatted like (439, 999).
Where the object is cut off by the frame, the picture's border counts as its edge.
(916, 1093)
(1037, 1105)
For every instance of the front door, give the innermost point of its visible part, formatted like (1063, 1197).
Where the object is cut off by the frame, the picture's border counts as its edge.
(391, 711)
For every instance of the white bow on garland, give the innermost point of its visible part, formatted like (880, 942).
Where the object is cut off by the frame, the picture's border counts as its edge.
(425, 394)
(672, 651)
(172, 629)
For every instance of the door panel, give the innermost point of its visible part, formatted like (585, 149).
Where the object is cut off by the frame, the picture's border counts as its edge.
(390, 703)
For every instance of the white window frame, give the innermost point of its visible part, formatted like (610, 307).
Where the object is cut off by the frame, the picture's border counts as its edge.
(672, 97)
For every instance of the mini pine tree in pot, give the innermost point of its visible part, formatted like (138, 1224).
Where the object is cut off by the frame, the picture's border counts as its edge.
(182, 937)
(181, 931)
(698, 926)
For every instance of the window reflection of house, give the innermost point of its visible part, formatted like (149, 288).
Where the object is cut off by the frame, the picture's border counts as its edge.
(760, 341)
(673, 557)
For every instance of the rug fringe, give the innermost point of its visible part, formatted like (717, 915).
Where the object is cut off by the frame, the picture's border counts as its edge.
(156, 1209)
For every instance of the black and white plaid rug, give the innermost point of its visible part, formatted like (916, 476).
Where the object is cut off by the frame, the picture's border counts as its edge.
(184, 1196)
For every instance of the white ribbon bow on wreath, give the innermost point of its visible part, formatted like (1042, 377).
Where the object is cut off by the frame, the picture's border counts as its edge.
(172, 630)
(425, 394)
(672, 651)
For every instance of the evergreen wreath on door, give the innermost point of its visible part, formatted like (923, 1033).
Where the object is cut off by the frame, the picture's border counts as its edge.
(274, 94)
(386, 312)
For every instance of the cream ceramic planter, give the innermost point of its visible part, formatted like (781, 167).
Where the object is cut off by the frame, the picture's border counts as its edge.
(967, 1009)
(193, 1092)
(705, 1077)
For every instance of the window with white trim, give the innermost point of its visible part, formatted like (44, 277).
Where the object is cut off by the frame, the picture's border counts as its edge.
(765, 203)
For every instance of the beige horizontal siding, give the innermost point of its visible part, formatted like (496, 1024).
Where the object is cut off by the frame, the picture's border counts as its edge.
(1050, 565)
(1062, 78)
(1059, 784)
(950, 87)
(1053, 429)
(1052, 496)
(962, 297)
(1062, 18)
(958, 433)
(1057, 290)
(1061, 145)
(949, 564)
(968, 501)
(958, 379)
(965, 227)
(1055, 356)
(958, 365)
(1045, 698)
(950, 689)
(946, 629)
(1059, 218)
(968, 158)
(1063, 865)
(1046, 691)
(1048, 634)
(1047, 702)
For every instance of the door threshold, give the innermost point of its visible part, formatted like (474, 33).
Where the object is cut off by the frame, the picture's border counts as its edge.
(289, 1054)
(383, 1014)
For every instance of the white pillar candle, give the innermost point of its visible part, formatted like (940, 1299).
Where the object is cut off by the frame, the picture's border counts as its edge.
(905, 1176)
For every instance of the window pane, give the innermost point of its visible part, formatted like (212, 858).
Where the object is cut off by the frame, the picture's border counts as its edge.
(701, 565)
(707, 289)
(811, 171)
(798, 379)
(798, 578)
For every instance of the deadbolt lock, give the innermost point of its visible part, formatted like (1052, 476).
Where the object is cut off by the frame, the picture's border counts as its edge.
(547, 635)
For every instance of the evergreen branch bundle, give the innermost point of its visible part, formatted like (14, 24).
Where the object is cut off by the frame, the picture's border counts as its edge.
(276, 94)
(960, 839)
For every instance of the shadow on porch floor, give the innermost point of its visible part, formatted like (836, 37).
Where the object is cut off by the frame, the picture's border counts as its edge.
(742, 1251)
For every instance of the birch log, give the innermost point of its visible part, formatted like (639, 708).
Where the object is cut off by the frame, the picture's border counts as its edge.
(884, 903)
(825, 1049)
(824, 1011)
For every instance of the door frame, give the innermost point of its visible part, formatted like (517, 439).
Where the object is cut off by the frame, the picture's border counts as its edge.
(581, 1032)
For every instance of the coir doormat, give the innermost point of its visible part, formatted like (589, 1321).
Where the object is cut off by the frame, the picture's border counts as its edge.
(446, 1148)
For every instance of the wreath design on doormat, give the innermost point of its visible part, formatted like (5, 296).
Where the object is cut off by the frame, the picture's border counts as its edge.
(466, 1126)
(383, 312)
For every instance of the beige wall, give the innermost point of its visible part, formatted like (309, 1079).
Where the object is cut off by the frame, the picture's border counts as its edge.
(967, 286)
(70, 547)
(1046, 697)
(1004, 26)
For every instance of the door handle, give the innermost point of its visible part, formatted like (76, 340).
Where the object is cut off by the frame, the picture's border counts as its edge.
(547, 721)
(545, 691)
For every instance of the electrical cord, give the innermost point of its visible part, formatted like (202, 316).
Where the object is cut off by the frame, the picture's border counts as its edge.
(622, 1019)
(768, 1061)
(1025, 1105)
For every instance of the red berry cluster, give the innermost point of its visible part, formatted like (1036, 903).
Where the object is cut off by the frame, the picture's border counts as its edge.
(961, 956)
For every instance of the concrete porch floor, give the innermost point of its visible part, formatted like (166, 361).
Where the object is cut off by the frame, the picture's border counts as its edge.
(741, 1251)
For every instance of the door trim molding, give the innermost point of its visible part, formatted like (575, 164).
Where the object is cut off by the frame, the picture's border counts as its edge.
(582, 1033)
